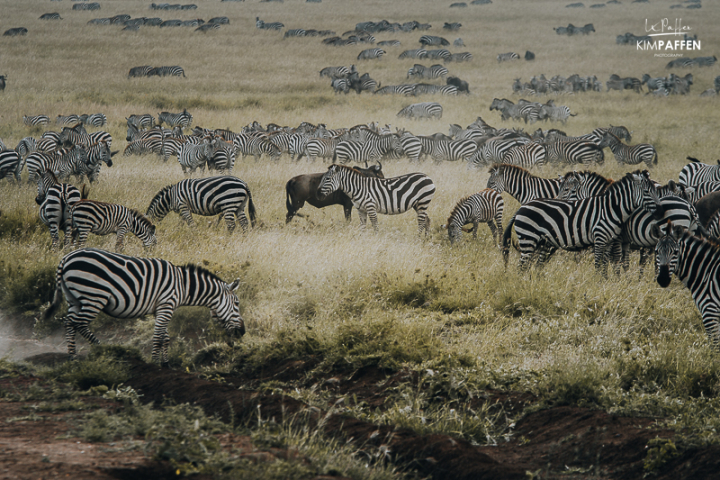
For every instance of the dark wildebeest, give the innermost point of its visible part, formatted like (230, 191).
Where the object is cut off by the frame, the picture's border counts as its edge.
(461, 85)
(706, 207)
(303, 188)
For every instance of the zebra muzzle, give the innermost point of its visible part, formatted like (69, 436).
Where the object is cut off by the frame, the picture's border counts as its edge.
(663, 278)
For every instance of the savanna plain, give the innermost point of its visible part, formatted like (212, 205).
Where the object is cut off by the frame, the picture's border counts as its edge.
(368, 354)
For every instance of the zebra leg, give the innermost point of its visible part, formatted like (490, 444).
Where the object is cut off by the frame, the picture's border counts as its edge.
(243, 220)
(644, 255)
(230, 221)
(55, 236)
(625, 259)
(372, 213)
(363, 216)
(78, 321)
(601, 258)
(161, 338)
(186, 215)
(711, 322)
(475, 229)
(120, 240)
(80, 236)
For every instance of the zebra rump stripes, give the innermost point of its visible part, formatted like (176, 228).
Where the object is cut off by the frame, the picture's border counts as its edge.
(694, 262)
(222, 195)
(121, 286)
(485, 206)
(389, 196)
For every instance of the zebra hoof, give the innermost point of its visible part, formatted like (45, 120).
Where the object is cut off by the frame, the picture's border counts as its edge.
(165, 365)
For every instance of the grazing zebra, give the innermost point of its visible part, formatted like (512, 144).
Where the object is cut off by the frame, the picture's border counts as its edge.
(94, 120)
(140, 121)
(438, 54)
(183, 119)
(421, 71)
(425, 110)
(11, 163)
(543, 226)
(389, 43)
(504, 57)
(424, 88)
(433, 41)
(14, 32)
(495, 149)
(460, 57)
(396, 89)
(521, 184)
(485, 206)
(35, 120)
(335, 72)
(173, 71)
(340, 85)
(630, 154)
(414, 53)
(100, 218)
(144, 146)
(55, 200)
(192, 156)
(67, 120)
(222, 195)
(50, 16)
(268, 26)
(575, 152)
(696, 173)
(371, 53)
(527, 155)
(255, 145)
(694, 262)
(321, 147)
(142, 71)
(389, 196)
(130, 287)
(26, 146)
(453, 150)
(372, 149)
(223, 158)
(557, 114)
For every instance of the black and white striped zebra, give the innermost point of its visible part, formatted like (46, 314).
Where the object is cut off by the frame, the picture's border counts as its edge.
(697, 172)
(335, 72)
(26, 146)
(439, 54)
(696, 192)
(144, 146)
(630, 154)
(431, 72)
(268, 25)
(94, 120)
(433, 41)
(414, 53)
(321, 147)
(425, 110)
(255, 144)
(371, 53)
(396, 90)
(460, 57)
(389, 196)
(557, 114)
(527, 155)
(141, 71)
(543, 226)
(495, 149)
(122, 286)
(192, 156)
(223, 157)
(575, 152)
(66, 120)
(182, 119)
(221, 195)
(578, 185)
(504, 57)
(50, 16)
(694, 262)
(55, 200)
(521, 184)
(424, 88)
(453, 150)
(11, 163)
(141, 121)
(168, 71)
(372, 149)
(100, 218)
(486, 206)
(36, 120)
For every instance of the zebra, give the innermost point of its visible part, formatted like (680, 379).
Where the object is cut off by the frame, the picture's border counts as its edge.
(173, 71)
(183, 119)
(543, 226)
(433, 41)
(122, 286)
(207, 27)
(144, 146)
(396, 89)
(50, 16)
(575, 152)
(438, 54)
(485, 206)
(35, 120)
(321, 147)
(527, 155)
(255, 145)
(100, 218)
(389, 43)
(371, 53)
(95, 120)
(411, 146)
(504, 57)
(630, 154)
(370, 150)
(696, 173)
(221, 195)
(495, 149)
(453, 150)
(521, 184)
(698, 191)
(67, 120)
(25, 147)
(140, 121)
(192, 156)
(335, 72)
(11, 163)
(576, 186)
(340, 85)
(141, 71)
(424, 88)
(559, 114)
(268, 26)
(389, 196)
(55, 200)
(223, 157)
(414, 53)
(425, 110)
(694, 262)
(460, 57)
(434, 71)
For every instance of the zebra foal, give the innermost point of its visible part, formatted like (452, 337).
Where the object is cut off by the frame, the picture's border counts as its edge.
(121, 286)
(485, 206)
(389, 196)
(100, 218)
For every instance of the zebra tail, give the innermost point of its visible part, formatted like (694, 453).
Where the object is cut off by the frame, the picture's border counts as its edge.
(57, 296)
(251, 210)
(693, 159)
(655, 158)
(335, 156)
(84, 191)
(506, 240)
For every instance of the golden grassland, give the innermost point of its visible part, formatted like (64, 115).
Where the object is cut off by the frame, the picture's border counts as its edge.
(624, 343)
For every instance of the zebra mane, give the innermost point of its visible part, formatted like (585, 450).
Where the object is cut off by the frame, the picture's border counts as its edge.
(52, 176)
(456, 209)
(507, 166)
(352, 169)
(140, 218)
(193, 268)
(589, 173)
(626, 178)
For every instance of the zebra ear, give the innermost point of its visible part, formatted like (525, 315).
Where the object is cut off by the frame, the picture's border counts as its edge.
(655, 231)
(677, 230)
(234, 285)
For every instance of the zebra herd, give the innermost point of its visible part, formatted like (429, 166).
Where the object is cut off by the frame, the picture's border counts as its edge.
(150, 71)
(557, 84)
(531, 112)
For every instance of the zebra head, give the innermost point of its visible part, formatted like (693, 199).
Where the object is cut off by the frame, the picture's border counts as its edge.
(569, 185)
(650, 200)
(44, 183)
(329, 182)
(227, 310)
(497, 179)
(667, 251)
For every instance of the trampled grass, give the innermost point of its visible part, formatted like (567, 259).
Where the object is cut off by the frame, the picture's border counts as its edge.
(350, 295)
